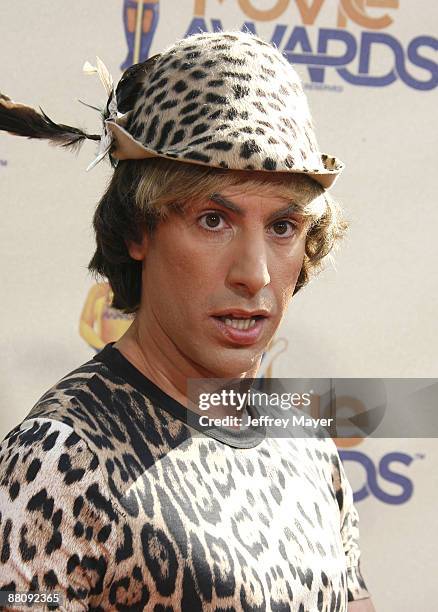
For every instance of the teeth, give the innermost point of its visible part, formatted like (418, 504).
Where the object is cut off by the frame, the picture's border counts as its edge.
(240, 323)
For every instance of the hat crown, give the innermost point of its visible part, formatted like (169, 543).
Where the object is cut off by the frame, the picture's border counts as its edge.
(225, 99)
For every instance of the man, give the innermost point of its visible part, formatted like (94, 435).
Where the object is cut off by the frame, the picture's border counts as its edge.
(113, 495)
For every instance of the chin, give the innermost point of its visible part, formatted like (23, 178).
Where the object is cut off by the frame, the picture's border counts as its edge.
(232, 364)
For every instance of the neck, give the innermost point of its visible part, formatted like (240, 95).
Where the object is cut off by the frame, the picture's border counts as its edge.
(154, 354)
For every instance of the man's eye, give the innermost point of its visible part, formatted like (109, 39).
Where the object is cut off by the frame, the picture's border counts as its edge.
(284, 228)
(211, 221)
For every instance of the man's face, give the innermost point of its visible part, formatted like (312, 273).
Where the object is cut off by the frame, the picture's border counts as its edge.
(218, 277)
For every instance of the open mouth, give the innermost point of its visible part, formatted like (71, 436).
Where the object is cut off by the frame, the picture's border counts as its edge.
(241, 327)
(242, 323)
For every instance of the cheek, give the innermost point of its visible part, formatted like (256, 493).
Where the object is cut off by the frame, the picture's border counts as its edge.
(285, 273)
(179, 271)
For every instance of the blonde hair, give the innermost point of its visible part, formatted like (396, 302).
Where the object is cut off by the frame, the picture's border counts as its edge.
(141, 193)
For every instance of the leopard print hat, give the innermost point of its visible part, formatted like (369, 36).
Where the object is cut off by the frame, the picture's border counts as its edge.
(225, 99)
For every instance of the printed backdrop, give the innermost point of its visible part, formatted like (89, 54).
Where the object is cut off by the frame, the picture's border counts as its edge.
(369, 69)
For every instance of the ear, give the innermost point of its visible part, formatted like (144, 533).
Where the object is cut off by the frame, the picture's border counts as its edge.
(137, 250)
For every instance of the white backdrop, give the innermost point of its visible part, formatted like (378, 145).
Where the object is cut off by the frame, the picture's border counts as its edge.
(374, 316)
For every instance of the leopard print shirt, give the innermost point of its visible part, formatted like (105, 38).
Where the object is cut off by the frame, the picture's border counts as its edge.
(109, 497)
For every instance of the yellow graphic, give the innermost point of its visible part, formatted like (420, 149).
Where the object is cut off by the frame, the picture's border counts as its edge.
(279, 345)
(100, 323)
(355, 405)
(355, 10)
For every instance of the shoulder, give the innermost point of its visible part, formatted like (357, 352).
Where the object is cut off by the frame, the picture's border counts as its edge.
(91, 424)
(321, 453)
(72, 390)
(329, 456)
(42, 460)
(53, 456)
(58, 444)
(88, 400)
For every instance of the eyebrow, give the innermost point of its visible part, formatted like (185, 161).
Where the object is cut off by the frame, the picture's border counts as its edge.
(277, 214)
(220, 199)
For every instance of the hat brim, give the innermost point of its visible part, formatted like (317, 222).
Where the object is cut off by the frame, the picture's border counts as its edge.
(127, 147)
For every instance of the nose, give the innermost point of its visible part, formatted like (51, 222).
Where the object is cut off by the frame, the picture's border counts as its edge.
(248, 271)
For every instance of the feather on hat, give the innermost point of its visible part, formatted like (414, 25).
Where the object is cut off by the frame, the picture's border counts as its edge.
(225, 99)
